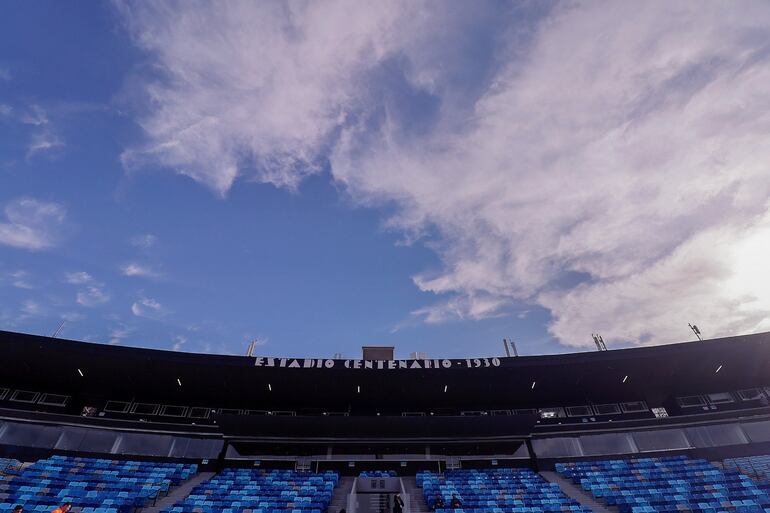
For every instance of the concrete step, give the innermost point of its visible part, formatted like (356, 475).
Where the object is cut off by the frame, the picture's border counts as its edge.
(179, 493)
(416, 498)
(577, 493)
(340, 496)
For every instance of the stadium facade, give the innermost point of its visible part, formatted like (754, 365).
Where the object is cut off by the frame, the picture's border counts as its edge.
(708, 398)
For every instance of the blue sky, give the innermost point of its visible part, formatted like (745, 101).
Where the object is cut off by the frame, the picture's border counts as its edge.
(434, 176)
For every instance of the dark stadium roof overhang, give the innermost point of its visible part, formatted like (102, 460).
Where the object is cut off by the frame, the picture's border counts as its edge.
(649, 373)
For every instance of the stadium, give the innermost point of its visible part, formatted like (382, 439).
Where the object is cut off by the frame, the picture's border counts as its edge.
(680, 427)
(370, 196)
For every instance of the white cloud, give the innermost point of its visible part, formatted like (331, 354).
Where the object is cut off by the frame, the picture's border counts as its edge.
(179, 342)
(32, 224)
(144, 241)
(117, 335)
(92, 295)
(147, 307)
(5, 74)
(143, 271)
(44, 138)
(42, 142)
(78, 278)
(72, 316)
(609, 167)
(31, 308)
(21, 280)
(5, 110)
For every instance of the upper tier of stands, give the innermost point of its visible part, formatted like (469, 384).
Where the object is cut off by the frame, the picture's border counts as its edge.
(92, 485)
(496, 491)
(260, 491)
(667, 485)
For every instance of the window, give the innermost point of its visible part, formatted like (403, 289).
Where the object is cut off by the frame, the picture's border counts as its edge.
(53, 400)
(3, 393)
(751, 394)
(145, 409)
(526, 411)
(607, 409)
(173, 411)
(660, 413)
(230, 411)
(473, 413)
(579, 411)
(499, 412)
(257, 412)
(551, 413)
(24, 396)
(197, 412)
(691, 401)
(634, 407)
(117, 407)
(285, 413)
(413, 414)
(339, 414)
(720, 398)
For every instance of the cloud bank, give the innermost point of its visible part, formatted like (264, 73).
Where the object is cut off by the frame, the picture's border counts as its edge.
(606, 162)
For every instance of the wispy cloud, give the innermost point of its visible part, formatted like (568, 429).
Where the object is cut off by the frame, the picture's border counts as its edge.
(78, 278)
(31, 308)
(147, 307)
(5, 74)
(179, 342)
(117, 335)
(606, 166)
(144, 241)
(139, 270)
(43, 142)
(92, 292)
(44, 138)
(32, 224)
(92, 295)
(5, 110)
(21, 280)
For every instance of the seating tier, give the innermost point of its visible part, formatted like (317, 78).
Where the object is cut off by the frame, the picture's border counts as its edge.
(495, 491)
(667, 485)
(260, 491)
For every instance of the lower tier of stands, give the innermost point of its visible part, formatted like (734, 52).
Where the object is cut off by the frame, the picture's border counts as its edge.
(757, 466)
(92, 485)
(495, 491)
(667, 485)
(260, 491)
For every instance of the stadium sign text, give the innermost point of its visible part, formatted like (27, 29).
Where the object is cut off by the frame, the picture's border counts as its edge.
(311, 363)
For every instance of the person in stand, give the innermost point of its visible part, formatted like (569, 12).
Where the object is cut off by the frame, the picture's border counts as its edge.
(439, 504)
(64, 508)
(18, 508)
(455, 504)
(398, 504)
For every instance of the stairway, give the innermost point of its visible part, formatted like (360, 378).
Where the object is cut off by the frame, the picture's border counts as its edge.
(341, 493)
(416, 497)
(577, 493)
(179, 493)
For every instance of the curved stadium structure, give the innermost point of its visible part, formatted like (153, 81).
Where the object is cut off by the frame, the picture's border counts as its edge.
(682, 427)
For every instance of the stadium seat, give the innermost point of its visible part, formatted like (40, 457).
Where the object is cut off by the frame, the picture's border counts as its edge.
(667, 485)
(496, 491)
(260, 491)
(755, 466)
(92, 485)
